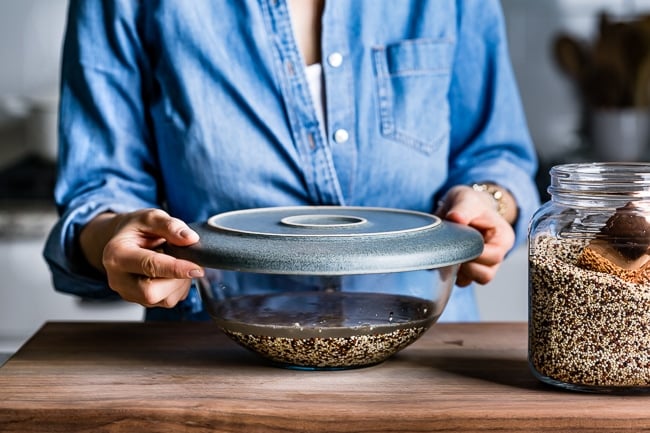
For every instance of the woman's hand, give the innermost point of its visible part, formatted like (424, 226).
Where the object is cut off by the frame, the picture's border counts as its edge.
(477, 209)
(126, 248)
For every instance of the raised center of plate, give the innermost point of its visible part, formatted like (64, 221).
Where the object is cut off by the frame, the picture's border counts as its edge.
(323, 221)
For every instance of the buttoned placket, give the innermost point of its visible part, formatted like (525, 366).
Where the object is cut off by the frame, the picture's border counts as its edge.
(337, 71)
(313, 147)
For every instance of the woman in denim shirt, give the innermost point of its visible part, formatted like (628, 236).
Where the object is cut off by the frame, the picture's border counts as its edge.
(172, 111)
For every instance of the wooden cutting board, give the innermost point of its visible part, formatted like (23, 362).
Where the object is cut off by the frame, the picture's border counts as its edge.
(188, 377)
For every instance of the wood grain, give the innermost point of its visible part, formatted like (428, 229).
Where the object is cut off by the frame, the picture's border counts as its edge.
(188, 377)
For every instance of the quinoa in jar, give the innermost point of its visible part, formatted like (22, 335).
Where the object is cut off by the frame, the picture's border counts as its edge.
(589, 279)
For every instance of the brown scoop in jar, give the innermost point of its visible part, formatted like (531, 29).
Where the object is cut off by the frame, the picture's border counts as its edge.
(621, 246)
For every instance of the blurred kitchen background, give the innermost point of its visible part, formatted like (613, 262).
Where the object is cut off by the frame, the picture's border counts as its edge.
(30, 45)
(584, 77)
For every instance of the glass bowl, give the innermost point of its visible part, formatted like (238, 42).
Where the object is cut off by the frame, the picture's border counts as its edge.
(325, 287)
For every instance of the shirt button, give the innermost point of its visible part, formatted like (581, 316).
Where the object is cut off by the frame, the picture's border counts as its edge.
(341, 135)
(335, 59)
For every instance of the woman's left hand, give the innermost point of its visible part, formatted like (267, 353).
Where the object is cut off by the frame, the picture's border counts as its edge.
(477, 209)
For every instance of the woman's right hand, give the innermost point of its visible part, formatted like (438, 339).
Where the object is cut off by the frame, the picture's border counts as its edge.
(126, 247)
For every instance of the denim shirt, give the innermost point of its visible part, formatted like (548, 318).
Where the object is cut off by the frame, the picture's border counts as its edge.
(200, 107)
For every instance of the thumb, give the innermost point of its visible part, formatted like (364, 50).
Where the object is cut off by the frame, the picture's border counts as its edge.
(463, 205)
(155, 226)
(457, 215)
(183, 237)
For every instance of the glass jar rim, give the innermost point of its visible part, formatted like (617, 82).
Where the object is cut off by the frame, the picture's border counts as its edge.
(609, 180)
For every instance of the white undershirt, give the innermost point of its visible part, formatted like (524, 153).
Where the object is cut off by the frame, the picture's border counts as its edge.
(315, 81)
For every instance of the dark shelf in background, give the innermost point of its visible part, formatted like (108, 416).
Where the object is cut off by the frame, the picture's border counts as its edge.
(30, 179)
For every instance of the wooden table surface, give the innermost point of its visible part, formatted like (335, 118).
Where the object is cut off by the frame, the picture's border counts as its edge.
(141, 377)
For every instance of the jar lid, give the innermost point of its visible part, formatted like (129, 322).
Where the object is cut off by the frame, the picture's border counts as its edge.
(329, 240)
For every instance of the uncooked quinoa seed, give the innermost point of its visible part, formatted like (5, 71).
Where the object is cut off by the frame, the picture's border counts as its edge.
(330, 352)
(587, 328)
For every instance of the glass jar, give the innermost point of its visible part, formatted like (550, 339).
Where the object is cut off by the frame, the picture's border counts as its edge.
(589, 279)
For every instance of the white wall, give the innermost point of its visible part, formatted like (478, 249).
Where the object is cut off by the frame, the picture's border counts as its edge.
(30, 45)
(29, 48)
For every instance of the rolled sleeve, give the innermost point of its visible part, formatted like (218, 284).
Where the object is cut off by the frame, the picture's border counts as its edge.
(71, 273)
(106, 162)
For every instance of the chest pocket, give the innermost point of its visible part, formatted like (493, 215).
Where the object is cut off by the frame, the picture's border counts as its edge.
(413, 79)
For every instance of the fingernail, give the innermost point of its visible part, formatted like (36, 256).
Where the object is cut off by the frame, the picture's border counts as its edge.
(195, 273)
(185, 233)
